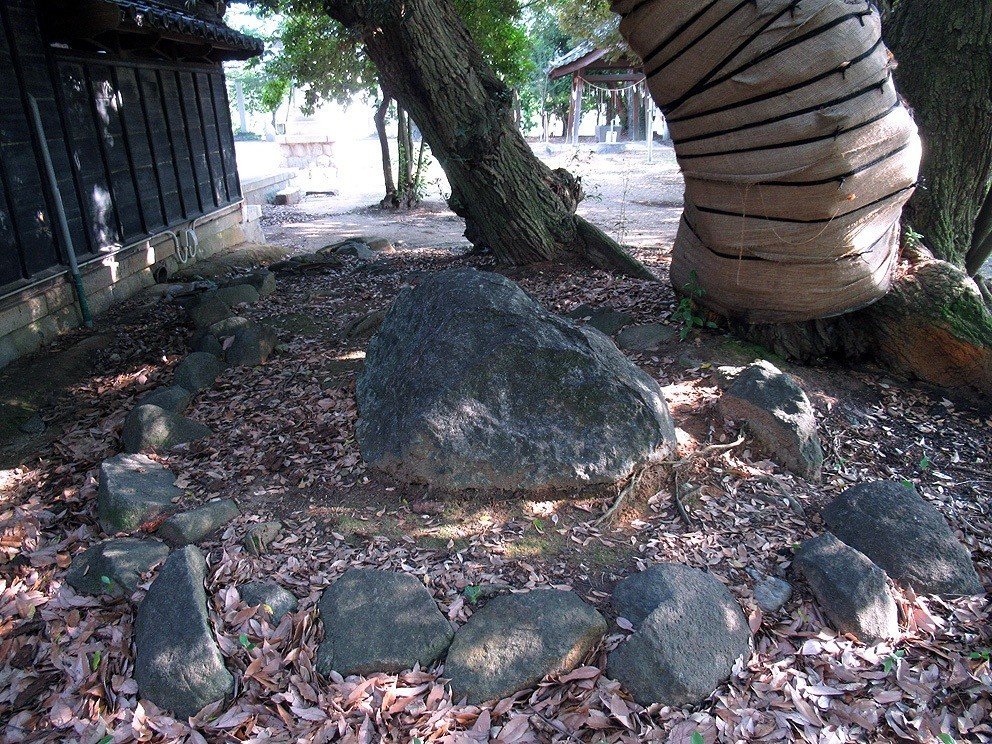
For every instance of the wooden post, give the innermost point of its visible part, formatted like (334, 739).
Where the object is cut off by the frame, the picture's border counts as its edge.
(649, 125)
(577, 87)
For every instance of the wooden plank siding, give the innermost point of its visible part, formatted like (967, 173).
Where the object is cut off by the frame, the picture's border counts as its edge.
(138, 147)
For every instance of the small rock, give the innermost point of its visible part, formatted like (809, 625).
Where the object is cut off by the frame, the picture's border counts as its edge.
(379, 245)
(251, 345)
(264, 281)
(778, 414)
(133, 489)
(353, 248)
(603, 319)
(852, 590)
(172, 398)
(193, 526)
(366, 325)
(647, 337)
(905, 535)
(115, 566)
(379, 621)
(228, 327)
(208, 344)
(237, 294)
(178, 664)
(260, 535)
(207, 312)
(307, 262)
(152, 427)
(288, 196)
(427, 507)
(771, 593)
(275, 600)
(518, 639)
(689, 633)
(197, 372)
(33, 426)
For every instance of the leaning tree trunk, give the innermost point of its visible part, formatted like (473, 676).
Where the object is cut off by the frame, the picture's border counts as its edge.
(511, 202)
(389, 201)
(944, 50)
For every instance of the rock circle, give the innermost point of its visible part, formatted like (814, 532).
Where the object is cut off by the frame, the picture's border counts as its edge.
(132, 490)
(115, 567)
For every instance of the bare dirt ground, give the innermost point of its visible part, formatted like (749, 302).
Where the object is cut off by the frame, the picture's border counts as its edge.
(284, 447)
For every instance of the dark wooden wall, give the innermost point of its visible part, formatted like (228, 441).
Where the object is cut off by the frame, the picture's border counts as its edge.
(138, 147)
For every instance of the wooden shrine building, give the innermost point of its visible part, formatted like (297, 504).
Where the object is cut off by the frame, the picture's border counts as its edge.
(127, 101)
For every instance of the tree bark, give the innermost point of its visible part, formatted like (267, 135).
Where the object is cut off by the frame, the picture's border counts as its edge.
(981, 240)
(944, 51)
(511, 202)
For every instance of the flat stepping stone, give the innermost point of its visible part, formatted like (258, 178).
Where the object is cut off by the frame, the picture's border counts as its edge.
(172, 398)
(260, 535)
(206, 312)
(518, 639)
(905, 535)
(274, 600)
(689, 633)
(603, 319)
(178, 664)
(647, 337)
(193, 526)
(379, 621)
(778, 414)
(365, 326)
(115, 567)
(133, 489)
(197, 372)
(152, 427)
(852, 590)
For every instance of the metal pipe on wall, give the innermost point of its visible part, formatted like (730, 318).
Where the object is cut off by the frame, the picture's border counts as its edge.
(63, 224)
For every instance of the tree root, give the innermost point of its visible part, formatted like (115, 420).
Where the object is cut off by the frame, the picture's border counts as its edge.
(933, 325)
(605, 253)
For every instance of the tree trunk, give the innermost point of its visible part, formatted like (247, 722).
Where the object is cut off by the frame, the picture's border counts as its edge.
(944, 51)
(511, 202)
(981, 241)
(389, 201)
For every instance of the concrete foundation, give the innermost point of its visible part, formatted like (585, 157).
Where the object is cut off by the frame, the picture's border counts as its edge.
(34, 315)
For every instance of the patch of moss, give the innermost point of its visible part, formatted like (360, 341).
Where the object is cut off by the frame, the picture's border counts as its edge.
(967, 317)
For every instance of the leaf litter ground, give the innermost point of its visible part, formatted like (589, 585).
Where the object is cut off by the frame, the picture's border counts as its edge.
(284, 447)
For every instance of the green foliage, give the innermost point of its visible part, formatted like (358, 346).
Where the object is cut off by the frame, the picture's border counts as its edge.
(686, 312)
(95, 660)
(892, 660)
(472, 594)
(696, 738)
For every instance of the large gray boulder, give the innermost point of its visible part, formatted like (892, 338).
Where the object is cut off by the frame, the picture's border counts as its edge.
(518, 639)
(151, 427)
(470, 383)
(689, 633)
(778, 414)
(852, 590)
(379, 621)
(114, 566)
(905, 535)
(193, 526)
(178, 664)
(132, 490)
(197, 372)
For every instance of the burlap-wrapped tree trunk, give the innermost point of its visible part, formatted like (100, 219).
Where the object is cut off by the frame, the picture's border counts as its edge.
(798, 156)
